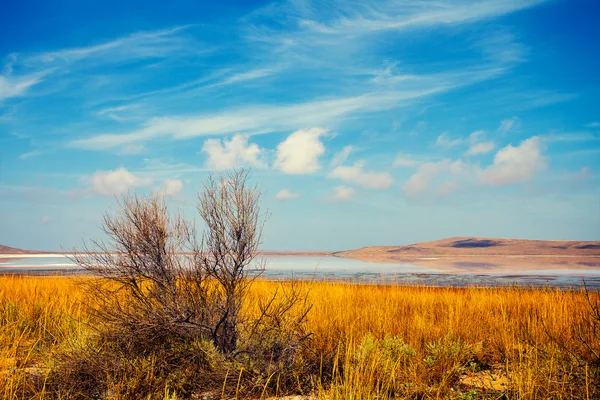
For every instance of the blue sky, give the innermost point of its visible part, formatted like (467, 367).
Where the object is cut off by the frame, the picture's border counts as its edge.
(365, 123)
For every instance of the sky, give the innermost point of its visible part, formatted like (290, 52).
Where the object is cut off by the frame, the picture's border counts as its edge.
(363, 122)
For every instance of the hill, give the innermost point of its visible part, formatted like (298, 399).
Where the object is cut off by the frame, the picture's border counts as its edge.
(13, 250)
(477, 248)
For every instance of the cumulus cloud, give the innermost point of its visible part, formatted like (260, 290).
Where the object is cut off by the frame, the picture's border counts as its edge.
(507, 125)
(357, 175)
(474, 140)
(403, 160)
(229, 154)
(171, 187)
(419, 183)
(115, 182)
(285, 194)
(299, 153)
(480, 148)
(513, 164)
(341, 193)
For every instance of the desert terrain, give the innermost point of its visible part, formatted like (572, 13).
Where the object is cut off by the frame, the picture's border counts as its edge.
(480, 255)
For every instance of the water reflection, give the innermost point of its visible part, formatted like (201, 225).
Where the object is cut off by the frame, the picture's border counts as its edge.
(329, 268)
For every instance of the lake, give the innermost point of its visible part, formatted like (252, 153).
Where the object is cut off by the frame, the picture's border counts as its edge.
(344, 269)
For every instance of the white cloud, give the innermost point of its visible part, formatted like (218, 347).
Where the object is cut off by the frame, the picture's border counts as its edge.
(593, 125)
(131, 149)
(120, 113)
(570, 137)
(480, 148)
(474, 137)
(356, 18)
(514, 164)
(357, 175)
(322, 111)
(50, 66)
(444, 141)
(15, 87)
(165, 169)
(404, 160)
(285, 194)
(418, 184)
(341, 156)
(150, 44)
(233, 153)
(299, 153)
(115, 182)
(341, 193)
(30, 154)
(255, 119)
(509, 124)
(249, 75)
(171, 187)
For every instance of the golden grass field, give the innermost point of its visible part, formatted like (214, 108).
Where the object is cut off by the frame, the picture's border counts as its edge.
(388, 341)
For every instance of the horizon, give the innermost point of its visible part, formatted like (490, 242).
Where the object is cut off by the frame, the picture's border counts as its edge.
(375, 123)
(271, 252)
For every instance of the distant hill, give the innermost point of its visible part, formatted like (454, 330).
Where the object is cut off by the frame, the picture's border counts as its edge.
(13, 250)
(459, 247)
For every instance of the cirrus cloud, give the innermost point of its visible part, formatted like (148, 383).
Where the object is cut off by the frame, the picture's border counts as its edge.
(14, 87)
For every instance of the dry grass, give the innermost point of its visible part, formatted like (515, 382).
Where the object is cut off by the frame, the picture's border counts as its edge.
(373, 341)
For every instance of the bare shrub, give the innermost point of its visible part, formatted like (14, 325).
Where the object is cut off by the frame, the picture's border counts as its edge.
(151, 286)
(230, 209)
(160, 291)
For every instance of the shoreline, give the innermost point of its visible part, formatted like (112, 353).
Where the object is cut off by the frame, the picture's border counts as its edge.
(463, 265)
(268, 253)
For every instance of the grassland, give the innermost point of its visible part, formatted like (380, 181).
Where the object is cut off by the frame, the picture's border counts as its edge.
(374, 341)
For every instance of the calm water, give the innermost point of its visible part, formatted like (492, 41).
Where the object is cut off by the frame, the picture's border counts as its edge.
(335, 268)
